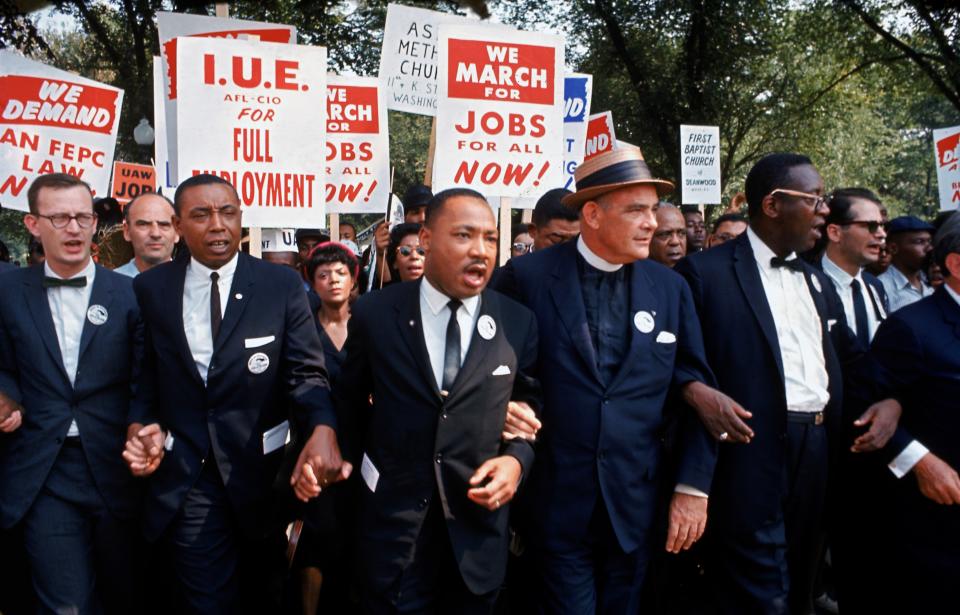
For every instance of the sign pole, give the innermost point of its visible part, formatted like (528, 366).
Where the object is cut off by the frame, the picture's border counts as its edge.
(505, 231)
(334, 227)
(428, 171)
(527, 216)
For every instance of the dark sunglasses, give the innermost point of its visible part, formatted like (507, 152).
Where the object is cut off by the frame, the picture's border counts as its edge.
(407, 251)
(872, 226)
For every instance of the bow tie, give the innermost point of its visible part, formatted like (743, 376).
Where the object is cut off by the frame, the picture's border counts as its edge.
(49, 282)
(794, 263)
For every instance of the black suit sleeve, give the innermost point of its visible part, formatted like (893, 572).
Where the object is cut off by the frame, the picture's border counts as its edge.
(304, 373)
(9, 374)
(143, 376)
(697, 450)
(526, 388)
(506, 282)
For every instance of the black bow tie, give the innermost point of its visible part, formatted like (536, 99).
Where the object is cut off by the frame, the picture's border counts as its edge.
(49, 282)
(794, 263)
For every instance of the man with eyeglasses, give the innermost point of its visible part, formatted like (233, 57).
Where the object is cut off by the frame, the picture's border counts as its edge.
(910, 241)
(232, 358)
(148, 226)
(70, 344)
(522, 244)
(773, 328)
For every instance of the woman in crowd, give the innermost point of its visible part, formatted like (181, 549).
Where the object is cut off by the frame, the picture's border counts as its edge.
(404, 254)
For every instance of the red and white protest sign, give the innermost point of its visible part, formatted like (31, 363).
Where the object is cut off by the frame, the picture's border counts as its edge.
(254, 113)
(358, 146)
(946, 147)
(173, 25)
(600, 135)
(500, 111)
(52, 121)
(130, 180)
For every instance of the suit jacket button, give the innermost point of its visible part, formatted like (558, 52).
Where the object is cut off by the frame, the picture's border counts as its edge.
(422, 504)
(444, 415)
(439, 457)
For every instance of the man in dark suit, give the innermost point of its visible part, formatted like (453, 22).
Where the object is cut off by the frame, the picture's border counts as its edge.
(230, 346)
(442, 358)
(70, 345)
(770, 325)
(917, 351)
(617, 333)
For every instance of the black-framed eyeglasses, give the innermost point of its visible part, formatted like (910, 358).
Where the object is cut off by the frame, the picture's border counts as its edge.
(819, 202)
(61, 221)
(521, 247)
(872, 226)
(407, 251)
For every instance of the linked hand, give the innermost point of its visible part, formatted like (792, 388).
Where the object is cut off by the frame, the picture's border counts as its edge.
(882, 417)
(502, 476)
(688, 520)
(319, 464)
(937, 480)
(521, 422)
(721, 415)
(143, 450)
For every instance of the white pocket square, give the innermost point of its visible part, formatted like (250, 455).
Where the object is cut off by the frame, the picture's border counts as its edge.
(503, 370)
(256, 342)
(665, 337)
(830, 323)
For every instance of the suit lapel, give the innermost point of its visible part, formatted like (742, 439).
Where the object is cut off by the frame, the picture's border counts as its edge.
(950, 309)
(641, 298)
(568, 300)
(39, 307)
(479, 345)
(745, 266)
(819, 302)
(410, 325)
(173, 306)
(237, 299)
(101, 294)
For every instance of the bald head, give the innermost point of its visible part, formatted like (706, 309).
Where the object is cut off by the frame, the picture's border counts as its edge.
(148, 226)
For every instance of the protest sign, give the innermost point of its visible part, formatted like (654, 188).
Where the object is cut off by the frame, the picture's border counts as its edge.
(52, 121)
(358, 148)
(254, 114)
(173, 25)
(408, 59)
(946, 146)
(160, 160)
(577, 92)
(131, 180)
(601, 137)
(278, 240)
(700, 165)
(500, 111)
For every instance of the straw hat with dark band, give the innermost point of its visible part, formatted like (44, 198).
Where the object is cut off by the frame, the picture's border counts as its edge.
(613, 170)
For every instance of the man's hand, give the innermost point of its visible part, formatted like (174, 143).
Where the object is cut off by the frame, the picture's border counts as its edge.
(720, 414)
(143, 451)
(13, 420)
(319, 464)
(521, 422)
(937, 480)
(381, 237)
(882, 418)
(688, 519)
(502, 476)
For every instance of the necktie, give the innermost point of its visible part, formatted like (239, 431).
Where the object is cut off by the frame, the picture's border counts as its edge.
(50, 282)
(216, 316)
(451, 353)
(793, 264)
(860, 314)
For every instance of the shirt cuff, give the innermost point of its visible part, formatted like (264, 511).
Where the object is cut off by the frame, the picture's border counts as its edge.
(688, 490)
(907, 458)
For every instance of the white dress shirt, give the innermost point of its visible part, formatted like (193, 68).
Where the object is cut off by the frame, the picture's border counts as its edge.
(842, 282)
(196, 308)
(799, 330)
(900, 292)
(913, 452)
(68, 307)
(435, 316)
(598, 262)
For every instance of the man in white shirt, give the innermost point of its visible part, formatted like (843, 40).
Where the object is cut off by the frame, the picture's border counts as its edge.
(70, 342)
(148, 226)
(909, 241)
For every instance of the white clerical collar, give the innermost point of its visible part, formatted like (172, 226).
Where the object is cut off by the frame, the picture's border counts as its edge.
(593, 260)
(88, 272)
(225, 271)
(762, 252)
(437, 301)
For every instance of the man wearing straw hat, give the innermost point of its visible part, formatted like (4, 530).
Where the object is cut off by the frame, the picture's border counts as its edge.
(617, 334)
